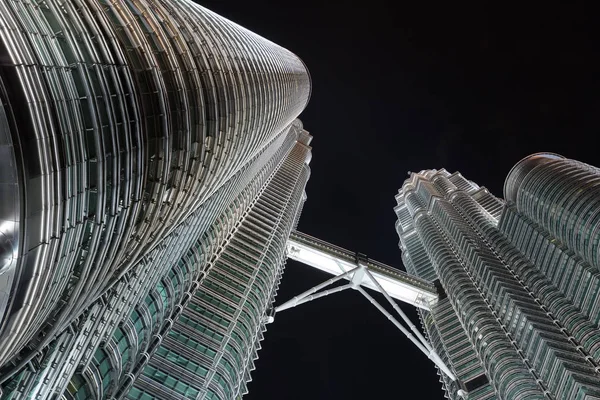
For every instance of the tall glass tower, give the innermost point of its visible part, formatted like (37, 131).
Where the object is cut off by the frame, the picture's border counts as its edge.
(520, 278)
(151, 169)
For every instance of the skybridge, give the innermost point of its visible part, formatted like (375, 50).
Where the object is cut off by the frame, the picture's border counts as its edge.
(361, 272)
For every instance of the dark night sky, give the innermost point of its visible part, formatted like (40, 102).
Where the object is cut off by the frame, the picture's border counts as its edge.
(398, 87)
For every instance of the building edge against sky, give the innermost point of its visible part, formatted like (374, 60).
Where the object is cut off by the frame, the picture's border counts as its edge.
(138, 140)
(212, 346)
(521, 306)
(153, 167)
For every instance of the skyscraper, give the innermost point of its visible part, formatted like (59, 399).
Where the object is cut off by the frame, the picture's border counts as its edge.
(210, 349)
(152, 167)
(519, 315)
(150, 149)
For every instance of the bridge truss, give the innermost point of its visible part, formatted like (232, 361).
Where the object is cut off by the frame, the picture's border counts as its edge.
(362, 273)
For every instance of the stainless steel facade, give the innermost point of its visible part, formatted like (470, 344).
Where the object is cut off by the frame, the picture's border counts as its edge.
(210, 351)
(134, 135)
(519, 313)
(562, 196)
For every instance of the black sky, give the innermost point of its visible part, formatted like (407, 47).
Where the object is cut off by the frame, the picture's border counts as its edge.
(400, 86)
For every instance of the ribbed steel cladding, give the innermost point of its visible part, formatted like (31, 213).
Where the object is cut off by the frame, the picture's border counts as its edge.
(238, 207)
(515, 292)
(132, 114)
(234, 212)
(274, 261)
(564, 303)
(144, 331)
(563, 197)
(241, 282)
(584, 329)
(556, 262)
(502, 362)
(441, 325)
(537, 334)
(415, 204)
(447, 335)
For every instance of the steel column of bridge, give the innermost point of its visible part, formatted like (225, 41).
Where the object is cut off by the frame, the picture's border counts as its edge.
(361, 271)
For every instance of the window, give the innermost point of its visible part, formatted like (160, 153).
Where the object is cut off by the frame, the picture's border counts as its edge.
(138, 324)
(104, 367)
(162, 292)
(170, 382)
(79, 388)
(182, 361)
(192, 344)
(137, 394)
(123, 344)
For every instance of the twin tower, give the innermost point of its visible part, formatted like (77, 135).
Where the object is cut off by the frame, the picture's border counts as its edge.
(519, 314)
(152, 170)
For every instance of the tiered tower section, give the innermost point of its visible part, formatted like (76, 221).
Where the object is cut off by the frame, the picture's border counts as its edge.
(520, 319)
(133, 135)
(211, 348)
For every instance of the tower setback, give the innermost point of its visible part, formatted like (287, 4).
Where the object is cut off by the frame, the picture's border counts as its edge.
(141, 141)
(519, 318)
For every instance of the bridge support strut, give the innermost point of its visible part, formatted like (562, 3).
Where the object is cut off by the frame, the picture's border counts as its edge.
(356, 276)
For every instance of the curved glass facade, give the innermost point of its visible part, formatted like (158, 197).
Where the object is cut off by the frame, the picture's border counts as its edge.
(133, 115)
(10, 208)
(520, 319)
(133, 307)
(145, 131)
(428, 254)
(211, 348)
(563, 197)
